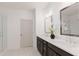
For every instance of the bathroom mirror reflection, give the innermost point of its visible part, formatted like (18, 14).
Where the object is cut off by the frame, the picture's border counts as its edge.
(69, 19)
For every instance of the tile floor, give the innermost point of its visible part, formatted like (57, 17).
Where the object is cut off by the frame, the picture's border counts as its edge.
(29, 51)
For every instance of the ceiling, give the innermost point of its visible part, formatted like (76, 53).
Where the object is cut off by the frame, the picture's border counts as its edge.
(23, 5)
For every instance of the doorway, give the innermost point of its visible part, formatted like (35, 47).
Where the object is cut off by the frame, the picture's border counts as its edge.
(26, 33)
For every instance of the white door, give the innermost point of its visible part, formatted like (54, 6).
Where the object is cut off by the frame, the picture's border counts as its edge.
(26, 33)
(1, 33)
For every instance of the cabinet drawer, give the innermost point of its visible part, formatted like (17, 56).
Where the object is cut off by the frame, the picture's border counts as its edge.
(39, 39)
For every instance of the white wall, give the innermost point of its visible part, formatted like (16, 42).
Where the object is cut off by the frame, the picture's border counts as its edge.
(13, 25)
(38, 25)
(39, 21)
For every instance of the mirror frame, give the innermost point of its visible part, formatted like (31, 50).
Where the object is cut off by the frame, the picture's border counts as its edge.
(61, 21)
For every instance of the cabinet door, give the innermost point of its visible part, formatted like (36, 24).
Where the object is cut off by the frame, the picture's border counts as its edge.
(40, 45)
(44, 49)
(51, 52)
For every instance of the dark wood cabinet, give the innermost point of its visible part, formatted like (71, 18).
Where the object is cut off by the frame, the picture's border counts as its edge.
(40, 45)
(44, 48)
(59, 51)
(50, 52)
(47, 49)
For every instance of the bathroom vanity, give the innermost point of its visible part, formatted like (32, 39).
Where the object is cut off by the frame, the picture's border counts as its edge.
(47, 49)
(60, 46)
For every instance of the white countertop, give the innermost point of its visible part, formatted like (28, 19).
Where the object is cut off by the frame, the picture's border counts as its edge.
(67, 44)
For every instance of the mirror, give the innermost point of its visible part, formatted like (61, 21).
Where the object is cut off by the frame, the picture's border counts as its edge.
(69, 20)
(47, 23)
